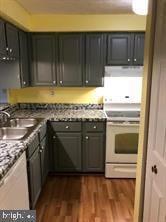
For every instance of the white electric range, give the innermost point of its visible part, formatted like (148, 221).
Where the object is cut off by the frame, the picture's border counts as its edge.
(122, 107)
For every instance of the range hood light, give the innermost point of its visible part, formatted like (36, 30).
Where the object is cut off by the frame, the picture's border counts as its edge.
(140, 7)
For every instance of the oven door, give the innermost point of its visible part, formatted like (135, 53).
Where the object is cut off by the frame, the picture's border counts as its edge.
(122, 142)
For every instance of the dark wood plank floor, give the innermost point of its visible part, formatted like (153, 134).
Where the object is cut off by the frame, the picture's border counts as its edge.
(86, 199)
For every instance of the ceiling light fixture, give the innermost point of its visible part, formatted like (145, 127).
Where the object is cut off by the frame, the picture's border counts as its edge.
(140, 7)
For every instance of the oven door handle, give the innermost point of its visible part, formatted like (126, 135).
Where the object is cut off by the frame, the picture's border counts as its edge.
(122, 124)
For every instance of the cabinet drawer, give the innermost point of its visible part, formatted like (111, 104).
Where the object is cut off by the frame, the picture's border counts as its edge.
(95, 127)
(66, 126)
(33, 145)
(42, 133)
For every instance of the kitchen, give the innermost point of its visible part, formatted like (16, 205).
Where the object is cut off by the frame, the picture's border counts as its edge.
(71, 85)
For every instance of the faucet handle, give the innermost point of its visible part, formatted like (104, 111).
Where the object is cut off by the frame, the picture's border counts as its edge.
(5, 115)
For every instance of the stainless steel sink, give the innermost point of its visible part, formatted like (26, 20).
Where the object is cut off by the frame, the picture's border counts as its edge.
(22, 122)
(12, 133)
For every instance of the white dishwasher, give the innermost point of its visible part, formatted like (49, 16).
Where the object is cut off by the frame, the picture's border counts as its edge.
(14, 187)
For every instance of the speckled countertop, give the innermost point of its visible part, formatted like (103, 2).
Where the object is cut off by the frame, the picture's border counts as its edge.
(63, 115)
(4, 106)
(10, 151)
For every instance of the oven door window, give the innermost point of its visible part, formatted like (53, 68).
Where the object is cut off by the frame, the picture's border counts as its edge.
(126, 143)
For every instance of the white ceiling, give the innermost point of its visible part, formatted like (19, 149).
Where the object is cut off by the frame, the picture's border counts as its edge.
(77, 6)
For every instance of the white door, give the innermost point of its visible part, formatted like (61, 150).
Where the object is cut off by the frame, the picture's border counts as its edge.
(155, 184)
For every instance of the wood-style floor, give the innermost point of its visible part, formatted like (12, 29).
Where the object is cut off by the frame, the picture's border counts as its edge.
(86, 199)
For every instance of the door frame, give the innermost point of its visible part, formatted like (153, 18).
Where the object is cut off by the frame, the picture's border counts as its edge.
(145, 107)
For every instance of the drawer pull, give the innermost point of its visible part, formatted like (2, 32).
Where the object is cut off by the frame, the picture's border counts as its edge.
(95, 127)
(87, 138)
(67, 127)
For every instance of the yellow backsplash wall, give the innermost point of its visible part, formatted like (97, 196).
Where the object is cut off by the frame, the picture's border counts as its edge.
(57, 95)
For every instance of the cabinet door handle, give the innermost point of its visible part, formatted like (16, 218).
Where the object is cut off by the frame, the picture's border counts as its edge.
(129, 60)
(95, 127)
(7, 49)
(10, 50)
(24, 83)
(67, 127)
(54, 137)
(40, 151)
(87, 138)
(86, 81)
(4, 58)
(42, 147)
(135, 60)
(61, 82)
(54, 82)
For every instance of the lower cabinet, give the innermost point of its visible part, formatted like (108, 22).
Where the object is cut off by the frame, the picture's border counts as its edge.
(44, 159)
(93, 152)
(78, 147)
(38, 166)
(34, 177)
(67, 152)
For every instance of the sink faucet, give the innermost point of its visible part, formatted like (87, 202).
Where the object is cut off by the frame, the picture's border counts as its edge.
(4, 116)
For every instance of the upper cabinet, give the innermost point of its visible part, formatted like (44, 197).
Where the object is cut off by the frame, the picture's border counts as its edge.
(43, 59)
(95, 59)
(119, 49)
(125, 48)
(10, 62)
(12, 42)
(70, 60)
(9, 42)
(2, 40)
(24, 58)
(138, 53)
(64, 59)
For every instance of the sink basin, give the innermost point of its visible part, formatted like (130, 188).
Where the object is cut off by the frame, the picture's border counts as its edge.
(22, 122)
(12, 133)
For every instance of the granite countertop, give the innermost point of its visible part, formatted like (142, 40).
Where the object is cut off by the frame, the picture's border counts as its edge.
(63, 115)
(4, 106)
(10, 151)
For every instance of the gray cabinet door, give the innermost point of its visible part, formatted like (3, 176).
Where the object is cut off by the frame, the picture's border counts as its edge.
(44, 159)
(138, 52)
(12, 42)
(24, 59)
(67, 152)
(71, 59)
(43, 59)
(119, 49)
(34, 177)
(2, 39)
(94, 152)
(10, 70)
(95, 59)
